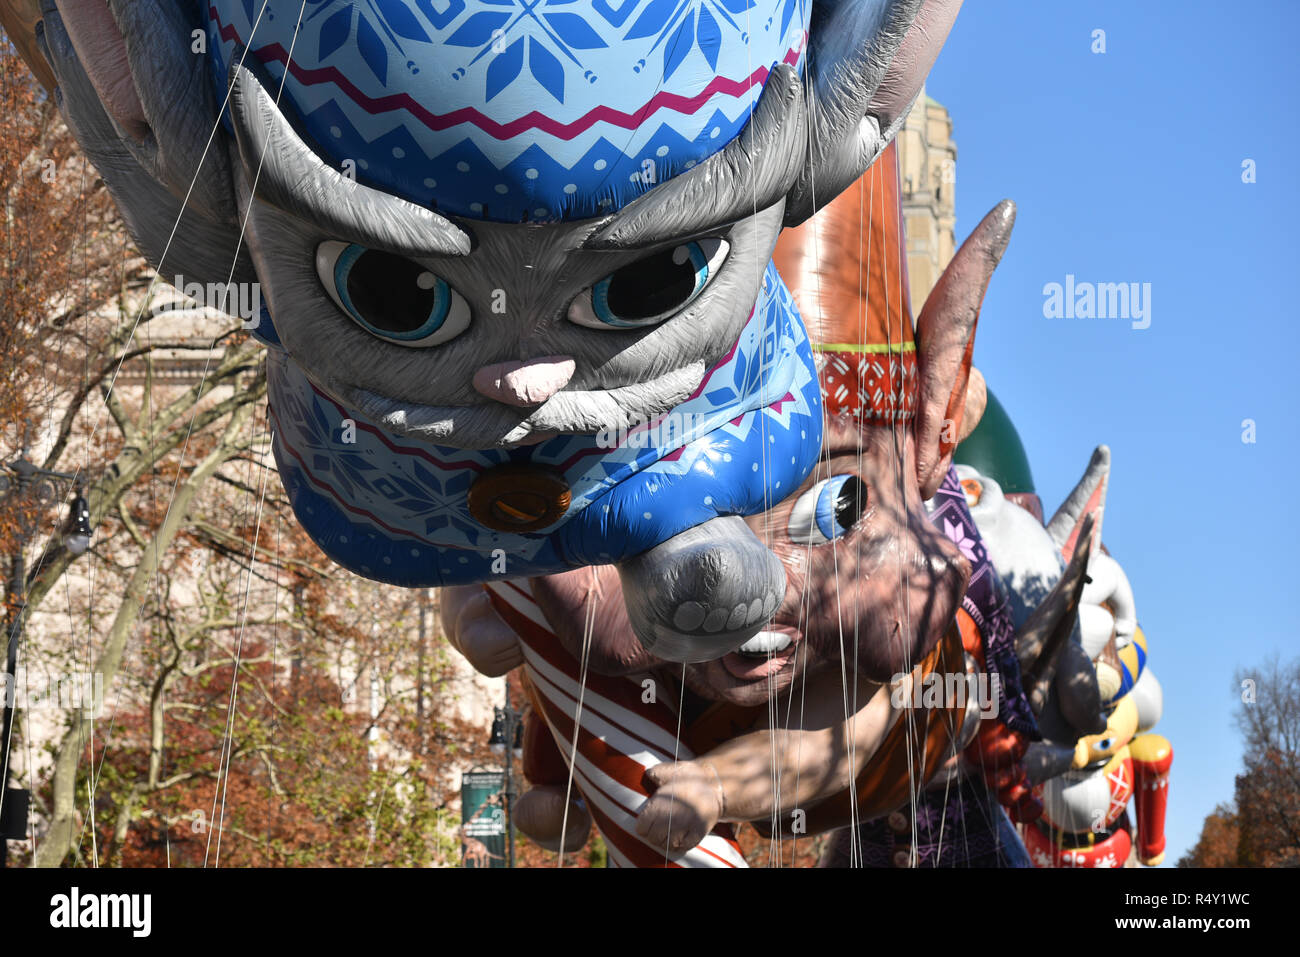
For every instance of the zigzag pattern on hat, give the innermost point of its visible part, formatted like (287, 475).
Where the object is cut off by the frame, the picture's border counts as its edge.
(518, 109)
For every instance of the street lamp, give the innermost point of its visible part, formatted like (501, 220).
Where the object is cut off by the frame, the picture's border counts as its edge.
(76, 539)
(497, 741)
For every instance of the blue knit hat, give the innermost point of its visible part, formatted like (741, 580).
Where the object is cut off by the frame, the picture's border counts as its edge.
(516, 110)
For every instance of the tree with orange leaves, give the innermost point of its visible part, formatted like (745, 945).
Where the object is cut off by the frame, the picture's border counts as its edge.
(1217, 846)
(1262, 827)
(1268, 791)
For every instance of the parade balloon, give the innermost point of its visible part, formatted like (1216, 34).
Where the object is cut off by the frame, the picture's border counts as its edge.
(511, 266)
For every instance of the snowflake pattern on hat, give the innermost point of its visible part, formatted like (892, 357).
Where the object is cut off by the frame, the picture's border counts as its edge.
(513, 110)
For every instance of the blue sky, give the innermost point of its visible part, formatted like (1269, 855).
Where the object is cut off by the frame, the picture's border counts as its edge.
(1126, 167)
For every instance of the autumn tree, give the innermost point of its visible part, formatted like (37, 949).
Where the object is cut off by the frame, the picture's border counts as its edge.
(62, 251)
(1262, 826)
(1217, 846)
(1268, 790)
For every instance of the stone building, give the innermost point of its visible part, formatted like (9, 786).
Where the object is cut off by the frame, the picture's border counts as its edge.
(928, 170)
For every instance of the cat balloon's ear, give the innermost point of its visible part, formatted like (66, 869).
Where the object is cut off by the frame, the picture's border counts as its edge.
(19, 19)
(147, 60)
(132, 81)
(199, 238)
(945, 338)
(867, 61)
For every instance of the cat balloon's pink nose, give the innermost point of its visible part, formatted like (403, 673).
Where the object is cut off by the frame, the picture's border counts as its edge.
(524, 381)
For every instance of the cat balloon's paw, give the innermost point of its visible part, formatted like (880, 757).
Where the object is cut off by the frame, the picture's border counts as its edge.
(703, 592)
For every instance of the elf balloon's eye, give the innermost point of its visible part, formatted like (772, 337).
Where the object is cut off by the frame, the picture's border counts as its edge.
(827, 510)
(390, 296)
(652, 289)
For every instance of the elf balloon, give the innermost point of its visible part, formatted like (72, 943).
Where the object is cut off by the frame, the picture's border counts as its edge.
(513, 259)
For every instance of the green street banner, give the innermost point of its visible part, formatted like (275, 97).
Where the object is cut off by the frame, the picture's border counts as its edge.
(483, 819)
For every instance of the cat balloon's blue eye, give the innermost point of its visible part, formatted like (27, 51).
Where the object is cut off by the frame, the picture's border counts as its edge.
(650, 290)
(393, 298)
(827, 510)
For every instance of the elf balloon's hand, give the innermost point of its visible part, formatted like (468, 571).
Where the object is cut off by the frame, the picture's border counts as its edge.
(686, 805)
(478, 632)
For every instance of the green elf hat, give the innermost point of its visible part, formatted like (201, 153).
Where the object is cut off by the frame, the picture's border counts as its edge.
(994, 449)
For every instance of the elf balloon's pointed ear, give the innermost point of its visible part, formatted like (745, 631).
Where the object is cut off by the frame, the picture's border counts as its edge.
(945, 338)
(1087, 498)
(1044, 636)
(867, 61)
